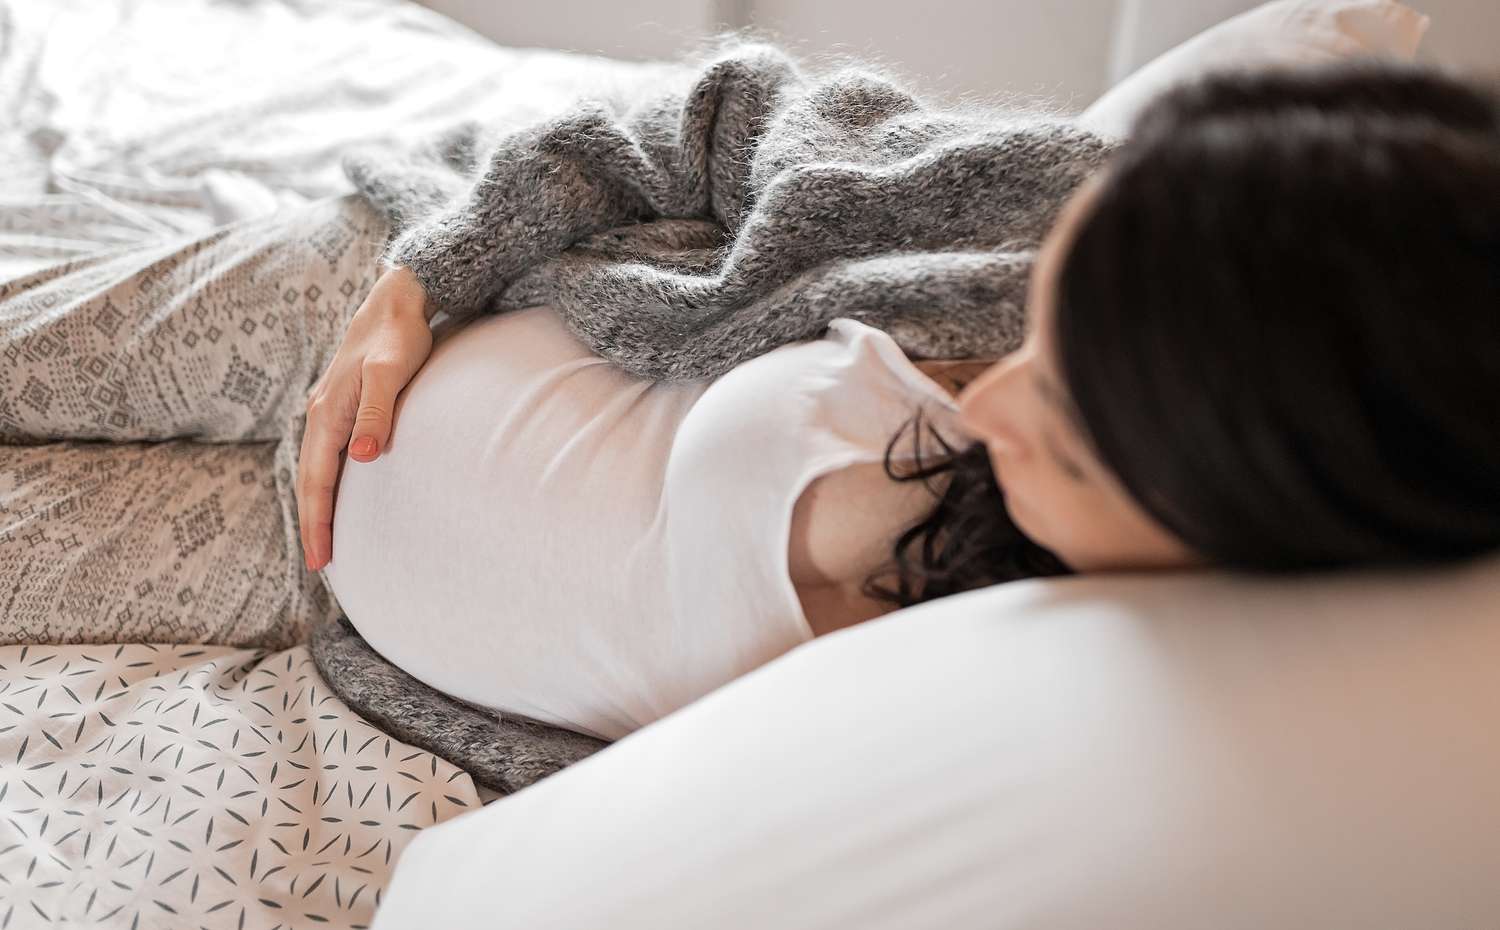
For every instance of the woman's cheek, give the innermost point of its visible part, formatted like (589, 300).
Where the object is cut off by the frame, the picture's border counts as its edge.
(1026, 510)
(1054, 519)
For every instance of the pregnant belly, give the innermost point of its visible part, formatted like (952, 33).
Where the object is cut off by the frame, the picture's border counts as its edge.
(492, 540)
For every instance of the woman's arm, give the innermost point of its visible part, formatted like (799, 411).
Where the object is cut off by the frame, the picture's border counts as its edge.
(405, 289)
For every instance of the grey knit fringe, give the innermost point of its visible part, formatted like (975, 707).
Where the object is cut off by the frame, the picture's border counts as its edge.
(501, 752)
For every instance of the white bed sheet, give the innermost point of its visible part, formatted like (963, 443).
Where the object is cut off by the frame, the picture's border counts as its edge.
(172, 786)
(126, 119)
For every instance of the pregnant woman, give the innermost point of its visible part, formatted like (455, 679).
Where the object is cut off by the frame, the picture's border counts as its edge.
(1265, 336)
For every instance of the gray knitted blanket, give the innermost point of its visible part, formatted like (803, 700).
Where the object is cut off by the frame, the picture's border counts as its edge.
(685, 230)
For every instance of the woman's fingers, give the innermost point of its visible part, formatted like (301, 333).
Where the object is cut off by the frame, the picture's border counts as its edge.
(353, 404)
(318, 470)
(372, 422)
(302, 496)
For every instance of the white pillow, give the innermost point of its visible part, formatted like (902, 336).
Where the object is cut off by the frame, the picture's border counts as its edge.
(1171, 752)
(1280, 33)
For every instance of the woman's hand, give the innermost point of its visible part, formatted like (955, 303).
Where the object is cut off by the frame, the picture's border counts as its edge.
(387, 340)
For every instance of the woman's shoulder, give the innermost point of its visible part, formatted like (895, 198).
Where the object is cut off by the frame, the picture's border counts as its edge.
(842, 529)
(948, 375)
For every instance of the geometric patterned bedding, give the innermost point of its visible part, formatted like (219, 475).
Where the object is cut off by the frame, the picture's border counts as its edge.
(200, 786)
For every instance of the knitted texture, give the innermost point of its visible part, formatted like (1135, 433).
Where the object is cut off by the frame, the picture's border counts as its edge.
(684, 231)
(501, 752)
(695, 227)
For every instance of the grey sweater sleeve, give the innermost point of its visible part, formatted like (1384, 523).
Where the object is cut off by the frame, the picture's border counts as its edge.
(694, 227)
(545, 187)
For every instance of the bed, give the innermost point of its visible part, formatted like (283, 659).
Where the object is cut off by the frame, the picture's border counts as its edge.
(151, 785)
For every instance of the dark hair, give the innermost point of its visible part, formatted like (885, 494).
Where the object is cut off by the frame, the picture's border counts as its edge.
(1280, 322)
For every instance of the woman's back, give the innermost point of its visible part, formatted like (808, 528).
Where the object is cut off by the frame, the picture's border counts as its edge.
(550, 536)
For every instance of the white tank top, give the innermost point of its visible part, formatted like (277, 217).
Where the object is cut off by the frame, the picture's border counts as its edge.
(548, 535)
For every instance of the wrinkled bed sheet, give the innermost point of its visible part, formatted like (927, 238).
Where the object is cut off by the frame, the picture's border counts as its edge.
(129, 118)
(174, 786)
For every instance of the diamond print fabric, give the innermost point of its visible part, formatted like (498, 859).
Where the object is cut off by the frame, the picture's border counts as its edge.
(192, 357)
(164, 786)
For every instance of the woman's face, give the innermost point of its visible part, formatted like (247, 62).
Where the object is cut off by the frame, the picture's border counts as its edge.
(1056, 491)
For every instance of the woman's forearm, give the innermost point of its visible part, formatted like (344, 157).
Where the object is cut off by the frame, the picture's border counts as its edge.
(405, 289)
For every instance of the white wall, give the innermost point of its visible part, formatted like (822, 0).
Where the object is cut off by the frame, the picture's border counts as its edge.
(956, 47)
(1066, 50)
(950, 48)
(639, 29)
(1463, 32)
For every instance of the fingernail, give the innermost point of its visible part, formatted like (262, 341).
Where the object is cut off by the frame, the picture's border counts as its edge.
(364, 445)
